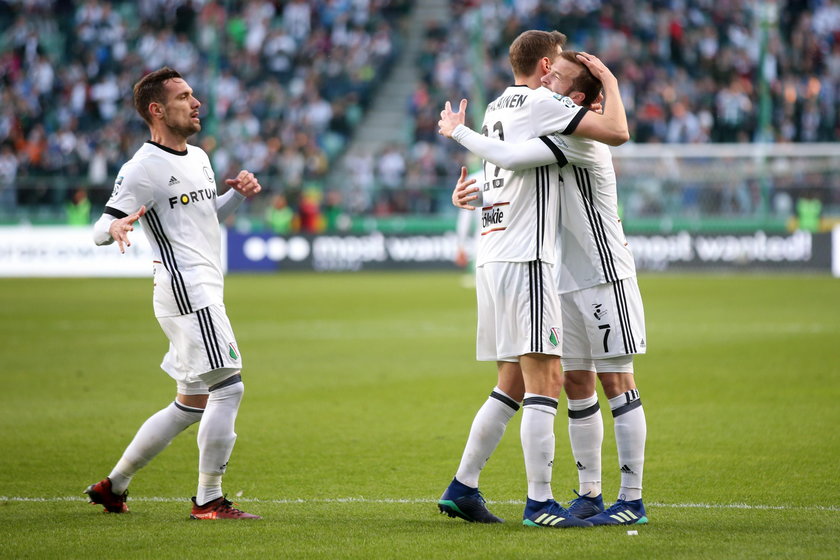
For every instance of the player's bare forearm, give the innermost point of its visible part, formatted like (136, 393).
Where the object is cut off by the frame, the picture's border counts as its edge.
(449, 120)
(245, 183)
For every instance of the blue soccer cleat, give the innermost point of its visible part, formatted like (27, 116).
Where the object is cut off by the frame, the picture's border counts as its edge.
(584, 507)
(550, 514)
(459, 500)
(623, 512)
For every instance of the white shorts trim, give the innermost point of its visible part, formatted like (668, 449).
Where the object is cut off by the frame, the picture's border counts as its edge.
(518, 311)
(604, 321)
(202, 347)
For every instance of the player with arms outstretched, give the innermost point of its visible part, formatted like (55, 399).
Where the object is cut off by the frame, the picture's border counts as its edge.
(169, 186)
(603, 316)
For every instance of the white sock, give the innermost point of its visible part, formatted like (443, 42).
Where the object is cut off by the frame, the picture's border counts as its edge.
(586, 434)
(537, 434)
(154, 435)
(487, 430)
(216, 437)
(630, 435)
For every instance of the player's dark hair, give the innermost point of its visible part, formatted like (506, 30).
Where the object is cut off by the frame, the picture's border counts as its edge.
(532, 46)
(150, 89)
(585, 82)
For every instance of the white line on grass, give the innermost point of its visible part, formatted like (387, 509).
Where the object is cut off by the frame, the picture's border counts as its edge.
(360, 500)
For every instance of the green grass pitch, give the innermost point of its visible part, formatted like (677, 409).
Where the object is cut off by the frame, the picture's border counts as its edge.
(360, 389)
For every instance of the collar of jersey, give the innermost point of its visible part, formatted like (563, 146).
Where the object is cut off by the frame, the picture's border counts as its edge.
(165, 149)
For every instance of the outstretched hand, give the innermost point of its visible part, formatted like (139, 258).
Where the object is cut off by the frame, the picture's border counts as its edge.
(449, 120)
(120, 227)
(245, 183)
(464, 193)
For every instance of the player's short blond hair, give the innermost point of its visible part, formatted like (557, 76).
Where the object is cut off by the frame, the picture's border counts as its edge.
(531, 47)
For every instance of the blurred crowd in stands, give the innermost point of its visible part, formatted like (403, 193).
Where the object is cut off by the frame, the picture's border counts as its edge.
(288, 81)
(690, 71)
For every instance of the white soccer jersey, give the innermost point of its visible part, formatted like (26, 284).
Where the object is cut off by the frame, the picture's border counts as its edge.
(593, 247)
(519, 208)
(181, 224)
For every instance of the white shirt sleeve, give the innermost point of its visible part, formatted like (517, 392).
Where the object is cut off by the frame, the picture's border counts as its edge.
(101, 230)
(555, 113)
(132, 189)
(228, 203)
(510, 155)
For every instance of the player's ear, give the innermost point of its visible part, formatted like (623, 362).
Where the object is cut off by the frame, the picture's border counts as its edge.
(156, 109)
(577, 97)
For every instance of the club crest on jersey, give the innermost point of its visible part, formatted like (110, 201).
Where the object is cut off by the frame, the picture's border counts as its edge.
(117, 185)
(565, 101)
(209, 174)
(192, 196)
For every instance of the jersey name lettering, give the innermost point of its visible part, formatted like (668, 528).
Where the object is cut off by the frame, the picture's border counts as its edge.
(508, 101)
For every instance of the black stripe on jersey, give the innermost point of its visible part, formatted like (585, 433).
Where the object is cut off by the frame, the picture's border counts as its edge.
(595, 223)
(211, 343)
(575, 121)
(555, 149)
(168, 150)
(111, 211)
(540, 186)
(167, 254)
(624, 317)
(212, 358)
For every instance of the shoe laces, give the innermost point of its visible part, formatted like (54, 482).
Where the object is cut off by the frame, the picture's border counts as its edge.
(228, 506)
(579, 498)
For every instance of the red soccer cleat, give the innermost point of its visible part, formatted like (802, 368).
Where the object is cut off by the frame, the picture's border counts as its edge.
(220, 508)
(100, 493)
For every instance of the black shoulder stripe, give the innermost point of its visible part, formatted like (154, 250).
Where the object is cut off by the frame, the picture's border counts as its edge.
(558, 153)
(575, 121)
(111, 211)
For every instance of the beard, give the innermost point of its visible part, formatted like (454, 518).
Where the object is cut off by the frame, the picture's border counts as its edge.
(186, 130)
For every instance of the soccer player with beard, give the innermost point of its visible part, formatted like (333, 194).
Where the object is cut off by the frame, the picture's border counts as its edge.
(170, 187)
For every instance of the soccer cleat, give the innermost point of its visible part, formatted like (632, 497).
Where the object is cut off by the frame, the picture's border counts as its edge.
(220, 508)
(467, 503)
(584, 507)
(550, 514)
(100, 493)
(622, 512)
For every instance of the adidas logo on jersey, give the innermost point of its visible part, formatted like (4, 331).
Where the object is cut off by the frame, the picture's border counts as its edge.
(173, 181)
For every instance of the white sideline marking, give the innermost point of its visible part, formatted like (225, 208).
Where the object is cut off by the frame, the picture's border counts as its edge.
(406, 501)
